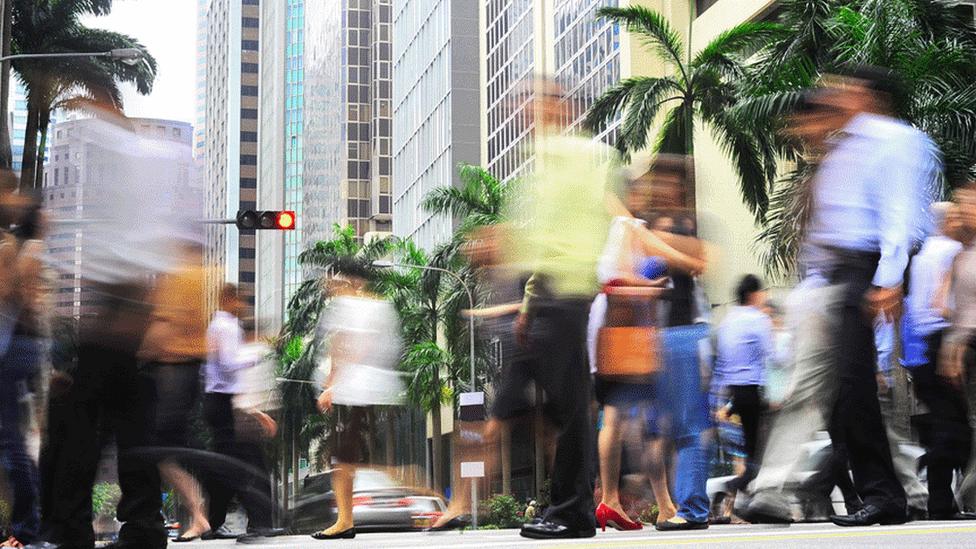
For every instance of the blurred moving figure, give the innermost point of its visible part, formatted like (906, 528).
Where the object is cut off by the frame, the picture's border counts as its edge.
(943, 387)
(226, 361)
(360, 332)
(128, 221)
(174, 349)
(564, 224)
(23, 327)
(866, 206)
(745, 347)
(626, 274)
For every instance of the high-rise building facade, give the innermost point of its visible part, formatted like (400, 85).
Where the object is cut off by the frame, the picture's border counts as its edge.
(17, 123)
(200, 121)
(514, 47)
(435, 100)
(294, 140)
(77, 172)
(347, 118)
(233, 33)
(563, 40)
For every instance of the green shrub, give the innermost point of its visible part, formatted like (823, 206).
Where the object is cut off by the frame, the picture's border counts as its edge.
(105, 497)
(502, 512)
(649, 515)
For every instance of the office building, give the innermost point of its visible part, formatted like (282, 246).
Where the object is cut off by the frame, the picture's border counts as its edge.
(233, 29)
(435, 101)
(79, 169)
(347, 118)
(17, 123)
(565, 41)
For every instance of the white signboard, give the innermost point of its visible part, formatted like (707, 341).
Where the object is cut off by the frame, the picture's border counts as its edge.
(472, 469)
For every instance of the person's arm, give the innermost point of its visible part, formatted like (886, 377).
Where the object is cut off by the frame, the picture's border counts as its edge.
(690, 258)
(940, 301)
(910, 165)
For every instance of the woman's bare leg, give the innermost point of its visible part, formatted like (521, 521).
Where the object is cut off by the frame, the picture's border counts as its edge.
(472, 450)
(610, 445)
(342, 477)
(190, 493)
(657, 474)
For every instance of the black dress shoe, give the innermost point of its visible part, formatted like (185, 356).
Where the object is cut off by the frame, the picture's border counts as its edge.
(553, 530)
(345, 534)
(870, 515)
(953, 516)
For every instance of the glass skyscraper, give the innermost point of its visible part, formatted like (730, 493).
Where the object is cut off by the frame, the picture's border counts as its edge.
(347, 118)
(294, 139)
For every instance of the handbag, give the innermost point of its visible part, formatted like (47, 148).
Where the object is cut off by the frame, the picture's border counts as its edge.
(628, 346)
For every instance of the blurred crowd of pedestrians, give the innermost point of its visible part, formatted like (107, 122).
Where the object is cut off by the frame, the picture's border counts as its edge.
(600, 311)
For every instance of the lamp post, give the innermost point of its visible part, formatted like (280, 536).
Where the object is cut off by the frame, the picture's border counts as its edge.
(129, 56)
(384, 264)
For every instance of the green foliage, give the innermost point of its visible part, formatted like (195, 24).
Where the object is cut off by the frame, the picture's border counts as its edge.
(105, 498)
(649, 515)
(701, 88)
(49, 26)
(926, 43)
(501, 511)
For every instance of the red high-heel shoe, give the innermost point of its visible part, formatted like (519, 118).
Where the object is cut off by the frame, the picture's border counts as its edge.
(605, 515)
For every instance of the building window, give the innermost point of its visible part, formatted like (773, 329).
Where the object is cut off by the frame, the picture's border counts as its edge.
(249, 160)
(249, 22)
(250, 91)
(249, 114)
(702, 5)
(249, 137)
(249, 45)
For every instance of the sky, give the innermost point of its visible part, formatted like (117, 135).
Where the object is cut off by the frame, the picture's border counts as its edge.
(168, 30)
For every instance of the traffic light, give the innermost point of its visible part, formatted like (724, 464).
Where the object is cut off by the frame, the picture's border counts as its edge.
(280, 220)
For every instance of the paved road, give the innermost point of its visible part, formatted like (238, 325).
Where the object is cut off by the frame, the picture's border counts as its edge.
(930, 535)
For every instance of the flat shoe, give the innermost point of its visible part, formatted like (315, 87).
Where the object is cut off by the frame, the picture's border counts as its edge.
(671, 525)
(183, 538)
(455, 523)
(345, 534)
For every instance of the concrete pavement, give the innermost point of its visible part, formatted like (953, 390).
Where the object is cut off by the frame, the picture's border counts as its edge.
(930, 535)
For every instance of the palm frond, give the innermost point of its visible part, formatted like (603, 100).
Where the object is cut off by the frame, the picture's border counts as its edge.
(735, 42)
(654, 29)
(646, 99)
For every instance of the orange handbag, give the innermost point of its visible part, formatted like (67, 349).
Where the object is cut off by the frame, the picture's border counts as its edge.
(625, 351)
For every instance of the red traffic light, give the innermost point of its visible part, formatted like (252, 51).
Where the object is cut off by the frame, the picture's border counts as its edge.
(281, 220)
(285, 220)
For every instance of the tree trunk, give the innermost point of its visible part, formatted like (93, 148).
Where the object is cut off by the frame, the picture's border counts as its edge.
(436, 449)
(389, 441)
(284, 473)
(295, 453)
(30, 150)
(539, 433)
(6, 156)
(506, 437)
(44, 122)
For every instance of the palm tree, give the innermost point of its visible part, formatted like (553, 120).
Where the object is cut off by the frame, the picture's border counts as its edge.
(53, 26)
(479, 201)
(702, 87)
(927, 43)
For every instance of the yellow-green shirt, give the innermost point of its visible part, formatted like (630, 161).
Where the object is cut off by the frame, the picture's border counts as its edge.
(562, 219)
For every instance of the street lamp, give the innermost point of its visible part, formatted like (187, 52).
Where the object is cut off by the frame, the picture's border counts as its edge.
(385, 264)
(129, 56)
